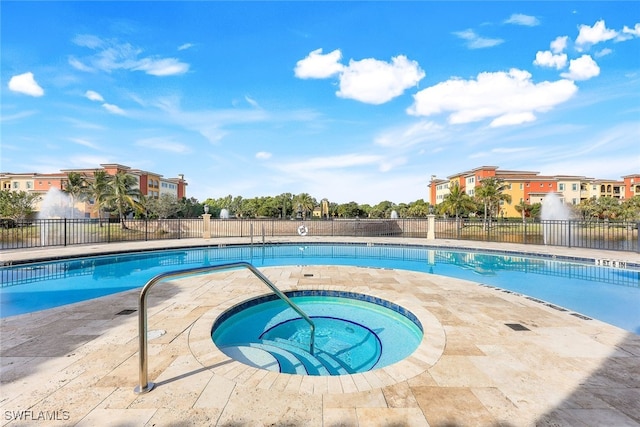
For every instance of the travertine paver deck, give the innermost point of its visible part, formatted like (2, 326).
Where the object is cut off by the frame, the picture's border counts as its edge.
(78, 364)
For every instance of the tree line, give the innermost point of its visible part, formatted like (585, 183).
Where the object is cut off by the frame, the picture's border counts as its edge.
(119, 196)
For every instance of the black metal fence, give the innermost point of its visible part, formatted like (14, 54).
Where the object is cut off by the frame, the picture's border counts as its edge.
(620, 236)
(608, 235)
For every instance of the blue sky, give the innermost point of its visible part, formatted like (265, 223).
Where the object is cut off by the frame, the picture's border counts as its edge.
(352, 101)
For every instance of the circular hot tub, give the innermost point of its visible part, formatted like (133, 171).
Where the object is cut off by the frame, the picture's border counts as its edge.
(353, 333)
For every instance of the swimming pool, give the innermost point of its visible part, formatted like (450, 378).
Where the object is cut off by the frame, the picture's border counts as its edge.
(608, 294)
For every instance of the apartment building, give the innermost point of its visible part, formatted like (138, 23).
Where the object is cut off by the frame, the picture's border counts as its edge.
(631, 185)
(531, 187)
(151, 184)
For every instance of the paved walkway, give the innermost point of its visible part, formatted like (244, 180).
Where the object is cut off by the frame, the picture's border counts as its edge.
(78, 364)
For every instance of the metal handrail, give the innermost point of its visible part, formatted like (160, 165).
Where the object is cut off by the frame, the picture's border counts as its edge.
(145, 386)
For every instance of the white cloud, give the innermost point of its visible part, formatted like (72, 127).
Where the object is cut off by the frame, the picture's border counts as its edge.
(263, 155)
(161, 67)
(376, 82)
(185, 46)
(113, 109)
(509, 98)
(112, 55)
(319, 66)
(163, 144)
(78, 65)
(582, 68)
(251, 102)
(88, 40)
(474, 41)
(548, 59)
(369, 80)
(334, 162)
(16, 116)
(391, 163)
(93, 96)
(408, 136)
(84, 142)
(25, 83)
(520, 19)
(84, 161)
(559, 44)
(632, 32)
(511, 119)
(603, 52)
(591, 35)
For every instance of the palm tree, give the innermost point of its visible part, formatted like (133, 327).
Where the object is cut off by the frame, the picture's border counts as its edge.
(75, 187)
(98, 189)
(305, 202)
(124, 196)
(524, 208)
(457, 202)
(490, 193)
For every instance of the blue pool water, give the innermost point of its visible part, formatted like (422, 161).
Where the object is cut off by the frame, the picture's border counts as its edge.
(608, 294)
(354, 333)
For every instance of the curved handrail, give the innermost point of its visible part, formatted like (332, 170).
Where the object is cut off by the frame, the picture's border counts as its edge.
(145, 386)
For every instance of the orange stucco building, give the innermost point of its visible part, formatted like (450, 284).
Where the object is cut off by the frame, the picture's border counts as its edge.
(151, 184)
(531, 187)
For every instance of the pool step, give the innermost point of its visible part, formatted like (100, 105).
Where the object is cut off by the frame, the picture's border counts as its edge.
(312, 365)
(253, 356)
(330, 363)
(284, 356)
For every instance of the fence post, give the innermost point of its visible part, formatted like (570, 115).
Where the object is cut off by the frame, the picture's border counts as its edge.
(431, 231)
(569, 232)
(206, 226)
(64, 229)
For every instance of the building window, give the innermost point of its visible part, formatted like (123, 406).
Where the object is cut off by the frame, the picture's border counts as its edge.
(29, 185)
(574, 201)
(521, 186)
(16, 185)
(574, 187)
(561, 187)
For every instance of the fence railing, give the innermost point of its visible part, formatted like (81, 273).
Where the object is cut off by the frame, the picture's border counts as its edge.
(608, 235)
(620, 236)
